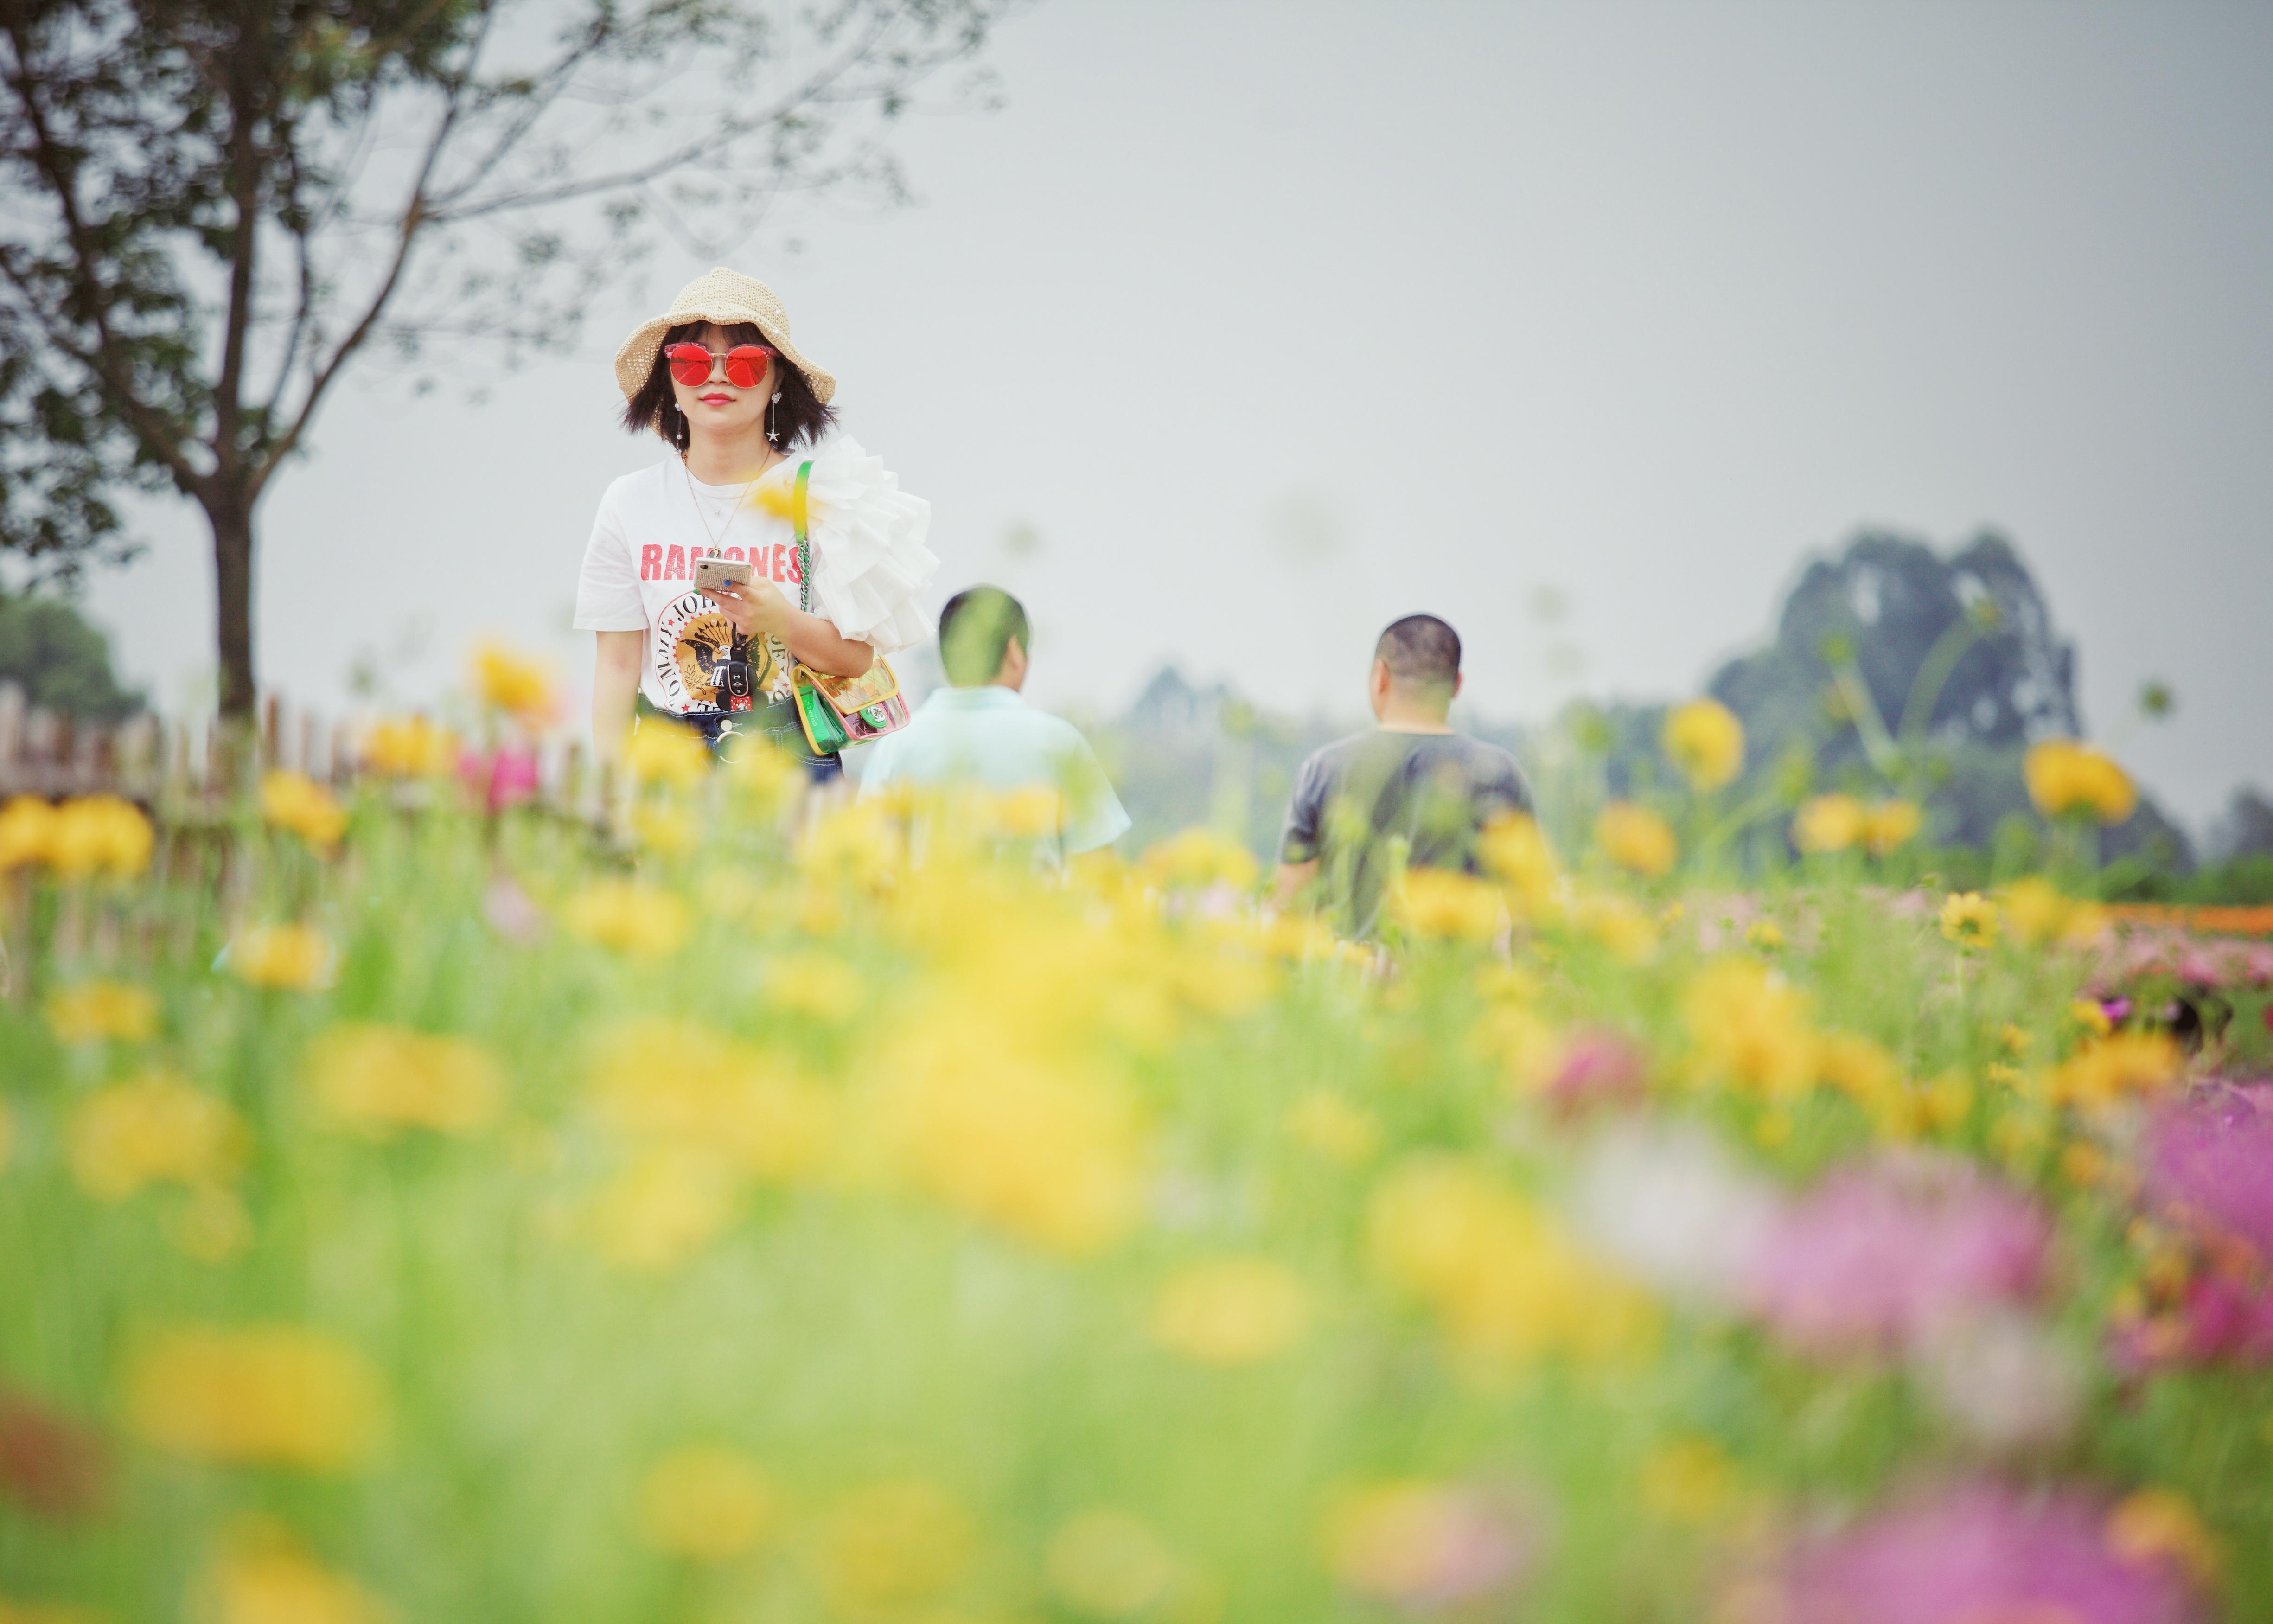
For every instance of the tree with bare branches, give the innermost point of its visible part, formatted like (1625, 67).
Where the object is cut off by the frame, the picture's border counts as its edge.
(211, 209)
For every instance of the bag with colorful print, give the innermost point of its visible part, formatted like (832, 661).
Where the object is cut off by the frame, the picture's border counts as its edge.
(839, 710)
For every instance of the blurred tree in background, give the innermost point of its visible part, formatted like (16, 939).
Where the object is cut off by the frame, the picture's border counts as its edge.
(60, 662)
(214, 207)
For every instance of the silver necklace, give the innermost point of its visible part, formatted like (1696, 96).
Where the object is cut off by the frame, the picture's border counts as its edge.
(695, 498)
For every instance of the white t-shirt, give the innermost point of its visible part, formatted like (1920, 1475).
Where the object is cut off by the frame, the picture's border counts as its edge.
(870, 565)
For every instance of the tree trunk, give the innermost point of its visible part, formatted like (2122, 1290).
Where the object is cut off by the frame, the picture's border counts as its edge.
(232, 529)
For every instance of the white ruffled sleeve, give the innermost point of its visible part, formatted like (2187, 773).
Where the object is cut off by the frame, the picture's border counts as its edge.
(870, 566)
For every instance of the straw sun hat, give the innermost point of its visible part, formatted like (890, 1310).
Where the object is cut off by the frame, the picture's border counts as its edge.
(725, 298)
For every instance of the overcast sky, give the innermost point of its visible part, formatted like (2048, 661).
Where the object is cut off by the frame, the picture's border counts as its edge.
(1246, 327)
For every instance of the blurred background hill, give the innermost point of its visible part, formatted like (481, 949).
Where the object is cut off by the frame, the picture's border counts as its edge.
(1891, 668)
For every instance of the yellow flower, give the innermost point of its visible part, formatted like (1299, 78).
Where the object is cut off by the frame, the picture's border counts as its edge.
(2159, 1524)
(1637, 839)
(513, 684)
(1829, 824)
(1891, 825)
(2117, 1067)
(1688, 1479)
(814, 984)
(1969, 919)
(2064, 775)
(1515, 849)
(629, 917)
(2018, 1138)
(410, 746)
(1949, 1099)
(1706, 741)
(211, 1224)
(1030, 812)
(381, 1079)
(155, 1128)
(666, 1205)
(2088, 1013)
(1230, 1311)
(667, 828)
(1750, 1029)
(1860, 1070)
(295, 802)
(2013, 1039)
(100, 834)
(1200, 858)
(256, 1395)
(94, 1010)
(706, 1502)
(1441, 904)
(1334, 1128)
(27, 832)
(864, 842)
(1764, 935)
(1503, 1280)
(286, 955)
(2083, 1163)
(762, 779)
(2039, 915)
(667, 753)
(1109, 1565)
(892, 1547)
(263, 1576)
(1617, 924)
(1524, 1044)
(715, 1096)
(1048, 1152)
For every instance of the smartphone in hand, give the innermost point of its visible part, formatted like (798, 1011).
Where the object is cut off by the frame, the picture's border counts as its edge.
(710, 573)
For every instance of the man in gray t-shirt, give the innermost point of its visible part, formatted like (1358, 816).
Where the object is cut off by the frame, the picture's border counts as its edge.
(1412, 782)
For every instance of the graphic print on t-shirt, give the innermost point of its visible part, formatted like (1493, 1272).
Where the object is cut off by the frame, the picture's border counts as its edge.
(692, 635)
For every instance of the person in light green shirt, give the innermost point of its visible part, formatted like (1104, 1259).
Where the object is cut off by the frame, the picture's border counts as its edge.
(980, 732)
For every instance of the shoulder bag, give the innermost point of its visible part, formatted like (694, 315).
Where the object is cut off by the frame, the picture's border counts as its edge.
(836, 711)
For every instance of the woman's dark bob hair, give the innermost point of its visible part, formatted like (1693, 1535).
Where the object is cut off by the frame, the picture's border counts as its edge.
(798, 418)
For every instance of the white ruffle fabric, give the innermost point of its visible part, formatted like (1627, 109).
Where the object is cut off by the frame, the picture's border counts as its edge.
(870, 565)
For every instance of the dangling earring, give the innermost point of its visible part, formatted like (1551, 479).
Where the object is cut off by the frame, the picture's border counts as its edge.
(772, 433)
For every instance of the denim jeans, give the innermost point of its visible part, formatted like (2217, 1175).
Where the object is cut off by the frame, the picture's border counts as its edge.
(729, 733)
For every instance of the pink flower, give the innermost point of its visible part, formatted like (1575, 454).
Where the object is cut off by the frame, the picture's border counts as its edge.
(1977, 1553)
(1599, 1068)
(2209, 1159)
(1882, 1257)
(1433, 1547)
(2200, 968)
(502, 777)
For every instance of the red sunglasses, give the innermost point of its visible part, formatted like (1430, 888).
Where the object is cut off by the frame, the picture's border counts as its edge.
(746, 364)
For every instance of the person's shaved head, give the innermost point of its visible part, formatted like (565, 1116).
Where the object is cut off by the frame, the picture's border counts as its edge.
(1420, 652)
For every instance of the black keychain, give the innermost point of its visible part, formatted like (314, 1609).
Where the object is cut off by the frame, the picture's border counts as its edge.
(736, 686)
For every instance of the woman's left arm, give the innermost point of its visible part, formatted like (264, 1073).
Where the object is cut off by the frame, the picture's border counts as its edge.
(761, 606)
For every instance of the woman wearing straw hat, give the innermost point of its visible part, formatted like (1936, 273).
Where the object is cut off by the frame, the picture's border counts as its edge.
(720, 378)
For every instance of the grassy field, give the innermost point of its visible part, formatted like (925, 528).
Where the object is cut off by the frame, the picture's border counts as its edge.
(413, 1211)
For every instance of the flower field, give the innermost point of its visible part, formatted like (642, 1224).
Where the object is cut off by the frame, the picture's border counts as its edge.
(411, 1207)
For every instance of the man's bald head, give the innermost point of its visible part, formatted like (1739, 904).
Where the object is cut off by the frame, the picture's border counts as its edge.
(1422, 654)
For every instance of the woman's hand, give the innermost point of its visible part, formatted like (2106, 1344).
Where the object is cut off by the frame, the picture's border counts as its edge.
(758, 607)
(761, 606)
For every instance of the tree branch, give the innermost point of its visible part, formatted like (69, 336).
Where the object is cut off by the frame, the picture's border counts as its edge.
(157, 434)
